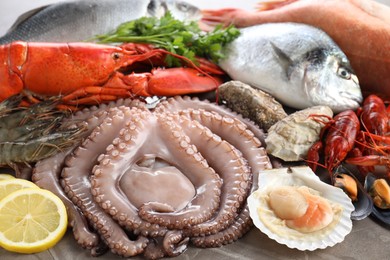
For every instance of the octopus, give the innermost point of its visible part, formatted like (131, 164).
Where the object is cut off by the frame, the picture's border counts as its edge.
(120, 184)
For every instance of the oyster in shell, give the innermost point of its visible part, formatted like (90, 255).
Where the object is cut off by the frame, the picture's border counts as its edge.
(291, 138)
(330, 224)
(255, 104)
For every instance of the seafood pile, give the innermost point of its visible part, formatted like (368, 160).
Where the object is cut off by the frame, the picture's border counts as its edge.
(124, 176)
(89, 134)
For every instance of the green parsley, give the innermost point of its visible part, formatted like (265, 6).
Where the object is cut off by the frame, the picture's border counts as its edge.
(182, 38)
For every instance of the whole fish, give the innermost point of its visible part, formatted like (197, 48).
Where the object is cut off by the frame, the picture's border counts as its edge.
(361, 28)
(82, 20)
(298, 64)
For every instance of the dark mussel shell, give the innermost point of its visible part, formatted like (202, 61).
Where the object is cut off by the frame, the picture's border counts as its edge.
(382, 215)
(364, 205)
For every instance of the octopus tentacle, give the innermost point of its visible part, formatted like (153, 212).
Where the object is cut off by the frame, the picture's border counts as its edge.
(233, 170)
(46, 175)
(237, 134)
(241, 225)
(174, 243)
(179, 103)
(108, 170)
(154, 249)
(75, 180)
(169, 143)
(202, 207)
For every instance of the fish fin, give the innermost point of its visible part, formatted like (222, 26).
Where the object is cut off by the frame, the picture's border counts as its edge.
(284, 60)
(25, 16)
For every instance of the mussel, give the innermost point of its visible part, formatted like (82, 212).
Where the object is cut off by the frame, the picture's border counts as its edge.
(361, 200)
(375, 186)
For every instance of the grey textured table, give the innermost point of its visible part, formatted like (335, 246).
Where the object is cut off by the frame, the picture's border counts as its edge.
(368, 240)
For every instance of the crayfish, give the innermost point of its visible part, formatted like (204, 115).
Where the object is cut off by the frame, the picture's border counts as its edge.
(359, 138)
(374, 143)
(341, 133)
(89, 73)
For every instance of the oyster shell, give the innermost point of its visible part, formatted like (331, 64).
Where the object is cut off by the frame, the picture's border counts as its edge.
(291, 138)
(275, 228)
(255, 104)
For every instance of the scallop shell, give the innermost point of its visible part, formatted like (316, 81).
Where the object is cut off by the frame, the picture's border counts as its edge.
(302, 176)
(291, 138)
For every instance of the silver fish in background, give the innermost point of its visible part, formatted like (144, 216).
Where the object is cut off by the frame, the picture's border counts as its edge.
(298, 64)
(81, 20)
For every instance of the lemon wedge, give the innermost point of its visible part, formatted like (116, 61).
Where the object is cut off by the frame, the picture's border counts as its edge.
(11, 185)
(6, 176)
(31, 220)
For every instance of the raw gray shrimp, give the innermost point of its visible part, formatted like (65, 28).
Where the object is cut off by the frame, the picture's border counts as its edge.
(10, 104)
(38, 148)
(14, 116)
(28, 135)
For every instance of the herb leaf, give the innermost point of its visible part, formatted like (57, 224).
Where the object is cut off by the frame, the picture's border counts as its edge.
(182, 38)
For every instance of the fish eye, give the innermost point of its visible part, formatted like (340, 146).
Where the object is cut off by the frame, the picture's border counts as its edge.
(116, 55)
(343, 73)
(184, 7)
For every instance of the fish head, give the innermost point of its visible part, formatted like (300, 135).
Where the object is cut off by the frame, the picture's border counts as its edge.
(329, 80)
(180, 10)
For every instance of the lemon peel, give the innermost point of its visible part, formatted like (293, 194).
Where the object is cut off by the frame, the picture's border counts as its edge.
(11, 185)
(6, 176)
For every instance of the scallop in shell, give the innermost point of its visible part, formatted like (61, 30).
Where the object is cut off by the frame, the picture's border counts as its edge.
(291, 138)
(329, 228)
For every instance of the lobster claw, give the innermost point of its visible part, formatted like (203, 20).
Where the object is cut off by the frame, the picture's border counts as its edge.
(179, 81)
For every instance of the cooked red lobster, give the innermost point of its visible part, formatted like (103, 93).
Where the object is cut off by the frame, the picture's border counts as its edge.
(88, 73)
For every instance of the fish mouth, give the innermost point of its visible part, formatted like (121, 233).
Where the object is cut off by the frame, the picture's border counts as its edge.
(348, 100)
(358, 98)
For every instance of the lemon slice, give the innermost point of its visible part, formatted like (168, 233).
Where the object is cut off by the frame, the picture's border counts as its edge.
(11, 185)
(31, 220)
(6, 176)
